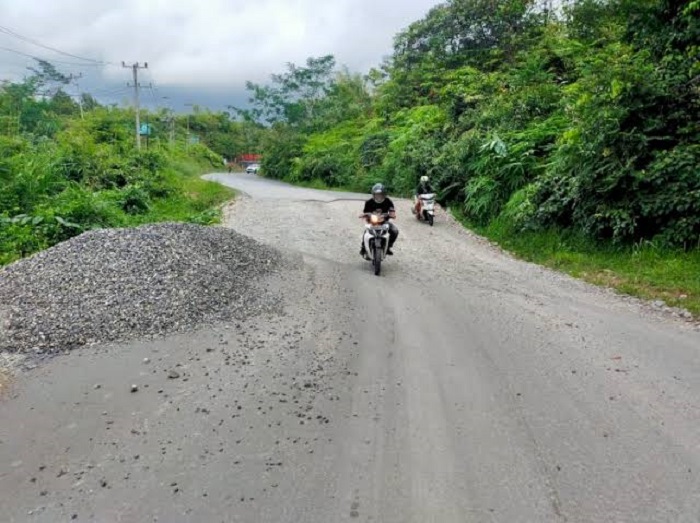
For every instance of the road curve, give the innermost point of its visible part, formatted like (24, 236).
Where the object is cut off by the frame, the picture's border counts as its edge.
(460, 386)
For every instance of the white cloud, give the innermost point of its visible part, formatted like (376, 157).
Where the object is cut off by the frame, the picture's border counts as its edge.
(207, 43)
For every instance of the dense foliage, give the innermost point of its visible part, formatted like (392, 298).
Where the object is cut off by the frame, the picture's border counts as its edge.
(62, 173)
(584, 118)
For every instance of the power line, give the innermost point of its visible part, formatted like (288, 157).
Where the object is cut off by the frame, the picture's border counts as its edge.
(108, 96)
(54, 93)
(70, 80)
(105, 92)
(32, 41)
(77, 64)
(152, 88)
(10, 32)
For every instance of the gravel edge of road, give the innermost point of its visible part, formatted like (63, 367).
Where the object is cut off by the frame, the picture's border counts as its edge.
(648, 308)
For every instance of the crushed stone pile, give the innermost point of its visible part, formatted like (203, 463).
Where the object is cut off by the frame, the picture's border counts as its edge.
(114, 284)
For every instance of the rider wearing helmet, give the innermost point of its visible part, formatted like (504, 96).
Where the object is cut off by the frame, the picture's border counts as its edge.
(380, 202)
(424, 187)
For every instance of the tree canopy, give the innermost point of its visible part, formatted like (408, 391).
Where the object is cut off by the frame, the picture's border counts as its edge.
(585, 117)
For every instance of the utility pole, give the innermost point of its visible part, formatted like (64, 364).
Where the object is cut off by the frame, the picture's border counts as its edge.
(187, 143)
(135, 71)
(171, 121)
(80, 95)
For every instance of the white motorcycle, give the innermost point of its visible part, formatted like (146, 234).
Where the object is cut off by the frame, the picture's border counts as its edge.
(376, 239)
(427, 208)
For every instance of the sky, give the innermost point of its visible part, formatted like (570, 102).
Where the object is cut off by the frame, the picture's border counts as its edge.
(198, 51)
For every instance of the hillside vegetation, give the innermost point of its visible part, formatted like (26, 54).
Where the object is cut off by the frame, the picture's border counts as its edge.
(66, 169)
(574, 130)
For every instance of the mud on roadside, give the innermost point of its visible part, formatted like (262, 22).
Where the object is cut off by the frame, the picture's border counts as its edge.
(5, 381)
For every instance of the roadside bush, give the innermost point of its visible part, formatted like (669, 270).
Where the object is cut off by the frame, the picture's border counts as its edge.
(51, 190)
(620, 172)
(20, 236)
(133, 200)
(330, 157)
(281, 148)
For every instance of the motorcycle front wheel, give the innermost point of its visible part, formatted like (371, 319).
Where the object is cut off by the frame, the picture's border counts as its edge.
(377, 260)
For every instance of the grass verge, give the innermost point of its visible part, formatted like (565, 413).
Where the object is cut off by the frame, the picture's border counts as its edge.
(645, 270)
(174, 192)
(195, 201)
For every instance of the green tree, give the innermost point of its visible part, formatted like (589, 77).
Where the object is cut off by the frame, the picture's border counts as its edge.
(585, 119)
(293, 96)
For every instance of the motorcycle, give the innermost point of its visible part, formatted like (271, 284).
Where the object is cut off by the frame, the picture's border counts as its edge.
(376, 239)
(427, 208)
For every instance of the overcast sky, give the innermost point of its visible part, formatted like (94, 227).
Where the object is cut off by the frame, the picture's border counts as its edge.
(199, 51)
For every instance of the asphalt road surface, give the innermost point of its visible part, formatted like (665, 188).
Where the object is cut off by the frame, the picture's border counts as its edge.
(460, 386)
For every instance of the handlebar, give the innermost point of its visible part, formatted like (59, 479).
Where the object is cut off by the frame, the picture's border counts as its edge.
(384, 216)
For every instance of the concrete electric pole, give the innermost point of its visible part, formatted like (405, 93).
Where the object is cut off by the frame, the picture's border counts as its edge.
(135, 70)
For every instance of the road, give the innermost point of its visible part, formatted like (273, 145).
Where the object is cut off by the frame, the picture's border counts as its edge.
(460, 386)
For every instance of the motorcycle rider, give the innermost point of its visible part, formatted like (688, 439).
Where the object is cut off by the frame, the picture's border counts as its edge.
(424, 187)
(380, 202)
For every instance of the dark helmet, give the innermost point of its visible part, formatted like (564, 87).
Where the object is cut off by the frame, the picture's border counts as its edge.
(378, 192)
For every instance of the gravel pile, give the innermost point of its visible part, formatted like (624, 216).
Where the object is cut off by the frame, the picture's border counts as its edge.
(116, 284)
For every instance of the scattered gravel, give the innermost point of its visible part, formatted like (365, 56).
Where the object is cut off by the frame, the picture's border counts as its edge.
(113, 284)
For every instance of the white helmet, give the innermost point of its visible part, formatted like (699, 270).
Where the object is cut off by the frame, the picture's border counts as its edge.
(423, 179)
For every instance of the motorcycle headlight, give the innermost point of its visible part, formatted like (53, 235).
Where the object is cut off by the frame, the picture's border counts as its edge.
(374, 219)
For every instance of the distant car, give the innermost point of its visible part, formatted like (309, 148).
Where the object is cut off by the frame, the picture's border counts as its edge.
(252, 169)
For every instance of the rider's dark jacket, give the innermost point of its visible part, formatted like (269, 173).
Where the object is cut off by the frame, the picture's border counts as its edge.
(372, 206)
(424, 189)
